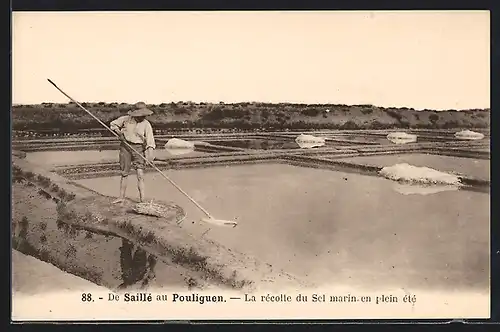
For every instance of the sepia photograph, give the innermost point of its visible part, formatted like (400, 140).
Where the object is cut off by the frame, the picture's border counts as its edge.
(191, 165)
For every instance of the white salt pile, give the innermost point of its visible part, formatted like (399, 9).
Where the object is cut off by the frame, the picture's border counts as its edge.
(468, 135)
(176, 146)
(401, 138)
(420, 175)
(176, 143)
(309, 141)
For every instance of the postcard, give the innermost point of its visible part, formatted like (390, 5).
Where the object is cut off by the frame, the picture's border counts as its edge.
(263, 165)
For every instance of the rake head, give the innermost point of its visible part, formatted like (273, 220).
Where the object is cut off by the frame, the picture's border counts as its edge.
(220, 222)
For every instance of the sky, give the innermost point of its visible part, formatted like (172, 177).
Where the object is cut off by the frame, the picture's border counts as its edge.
(422, 60)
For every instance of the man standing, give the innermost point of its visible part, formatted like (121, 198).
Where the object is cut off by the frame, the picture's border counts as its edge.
(137, 132)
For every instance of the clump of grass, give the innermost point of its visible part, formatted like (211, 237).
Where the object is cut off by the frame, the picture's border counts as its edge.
(72, 215)
(24, 223)
(191, 283)
(55, 188)
(65, 228)
(145, 236)
(163, 251)
(88, 216)
(149, 237)
(61, 207)
(189, 257)
(127, 226)
(45, 194)
(43, 225)
(44, 181)
(70, 197)
(70, 251)
(62, 194)
(89, 235)
(17, 178)
(73, 231)
(17, 173)
(16, 169)
(238, 284)
(152, 260)
(29, 175)
(44, 255)
(60, 224)
(64, 214)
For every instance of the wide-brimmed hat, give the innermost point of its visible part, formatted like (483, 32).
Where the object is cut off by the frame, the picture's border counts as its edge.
(140, 110)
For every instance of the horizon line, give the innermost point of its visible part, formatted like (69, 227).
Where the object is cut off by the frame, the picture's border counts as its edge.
(255, 102)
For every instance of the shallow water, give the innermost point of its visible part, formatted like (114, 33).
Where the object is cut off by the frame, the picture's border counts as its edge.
(72, 157)
(58, 158)
(361, 139)
(334, 227)
(31, 276)
(257, 144)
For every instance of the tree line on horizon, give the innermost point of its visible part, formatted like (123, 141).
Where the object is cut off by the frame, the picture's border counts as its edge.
(247, 115)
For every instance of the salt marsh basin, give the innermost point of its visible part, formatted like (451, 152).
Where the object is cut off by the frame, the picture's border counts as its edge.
(321, 224)
(324, 225)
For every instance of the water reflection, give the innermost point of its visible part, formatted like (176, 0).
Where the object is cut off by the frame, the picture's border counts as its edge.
(414, 189)
(179, 151)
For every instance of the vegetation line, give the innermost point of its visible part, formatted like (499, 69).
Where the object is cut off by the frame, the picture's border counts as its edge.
(186, 115)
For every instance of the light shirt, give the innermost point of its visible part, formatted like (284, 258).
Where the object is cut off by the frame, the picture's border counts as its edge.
(138, 133)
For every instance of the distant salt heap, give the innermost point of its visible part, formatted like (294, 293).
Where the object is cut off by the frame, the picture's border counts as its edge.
(309, 141)
(177, 146)
(401, 138)
(468, 135)
(406, 173)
